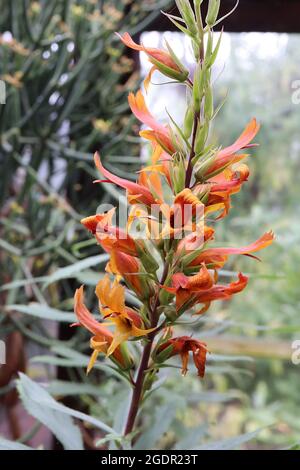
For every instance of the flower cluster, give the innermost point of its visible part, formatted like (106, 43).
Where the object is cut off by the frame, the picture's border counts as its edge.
(163, 255)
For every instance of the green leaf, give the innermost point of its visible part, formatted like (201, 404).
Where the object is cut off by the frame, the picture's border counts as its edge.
(231, 443)
(60, 387)
(162, 421)
(22, 283)
(74, 269)
(33, 393)
(45, 409)
(43, 311)
(191, 439)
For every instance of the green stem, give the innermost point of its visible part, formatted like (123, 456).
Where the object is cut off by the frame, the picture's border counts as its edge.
(189, 170)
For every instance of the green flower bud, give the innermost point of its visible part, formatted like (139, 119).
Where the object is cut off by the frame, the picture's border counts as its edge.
(148, 261)
(212, 12)
(171, 313)
(128, 361)
(188, 122)
(179, 177)
(187, 14)
(165, 297)
(209, 104)
(201, 137)
(198, 88)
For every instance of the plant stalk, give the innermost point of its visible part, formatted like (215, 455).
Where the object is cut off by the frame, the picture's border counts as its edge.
(139, 382)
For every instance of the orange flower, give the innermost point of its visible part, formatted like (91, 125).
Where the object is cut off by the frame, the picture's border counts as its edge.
(187, 288)
(228, 155)
(127, 267)
(108, 236)
(114, 238)
(223, 186)
(221, 292)
(215, 258)
(194, 241)
(160, 163)
(102, 338)
(151, 179)
(158, 133)
(161, 60)
(136, 192)
(92, 222)
(188, 202)
(183, 345)
(112, 305)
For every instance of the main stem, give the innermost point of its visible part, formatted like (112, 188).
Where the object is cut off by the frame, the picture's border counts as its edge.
(139, 382)
(189, 170)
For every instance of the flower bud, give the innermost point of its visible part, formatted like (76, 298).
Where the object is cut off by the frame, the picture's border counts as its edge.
(127, 358)
(201, 137)
(165, 297)
(179, 176)
(148, 261)
(203, 166)
(209, 103)
(212, 12)
(198, 88)
(187, 14)
(188, 122)
(171, 313)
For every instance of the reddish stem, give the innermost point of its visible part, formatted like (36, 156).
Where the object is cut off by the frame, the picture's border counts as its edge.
(139, 382)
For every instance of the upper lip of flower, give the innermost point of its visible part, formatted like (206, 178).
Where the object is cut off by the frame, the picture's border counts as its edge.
(158, 133)
(141, 193)
(228, 155)
(216, 257)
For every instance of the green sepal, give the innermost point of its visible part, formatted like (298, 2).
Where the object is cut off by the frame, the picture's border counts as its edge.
(178, 75)
(163, 355)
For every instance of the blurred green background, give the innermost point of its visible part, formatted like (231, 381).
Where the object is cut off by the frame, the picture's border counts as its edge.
(67, 79)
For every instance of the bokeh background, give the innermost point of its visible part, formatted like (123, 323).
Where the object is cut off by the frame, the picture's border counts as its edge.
(67, 79)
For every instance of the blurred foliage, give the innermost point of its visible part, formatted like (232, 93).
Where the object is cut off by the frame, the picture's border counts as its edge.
(67, 86)
(259, 74)
(255, 75)
(67, 81)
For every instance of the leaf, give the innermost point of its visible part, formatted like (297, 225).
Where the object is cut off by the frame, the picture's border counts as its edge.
(45, 409)
(33, 392)
(60, 387)
(231, 443)
(43, 311)
(22, 283)
(74, 269)
(191, 439)
(12, 445)
(162, 421)
(73, 358)
(214, 397)
(223, 358)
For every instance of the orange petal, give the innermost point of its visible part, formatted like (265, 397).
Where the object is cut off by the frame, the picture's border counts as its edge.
(243, 141)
